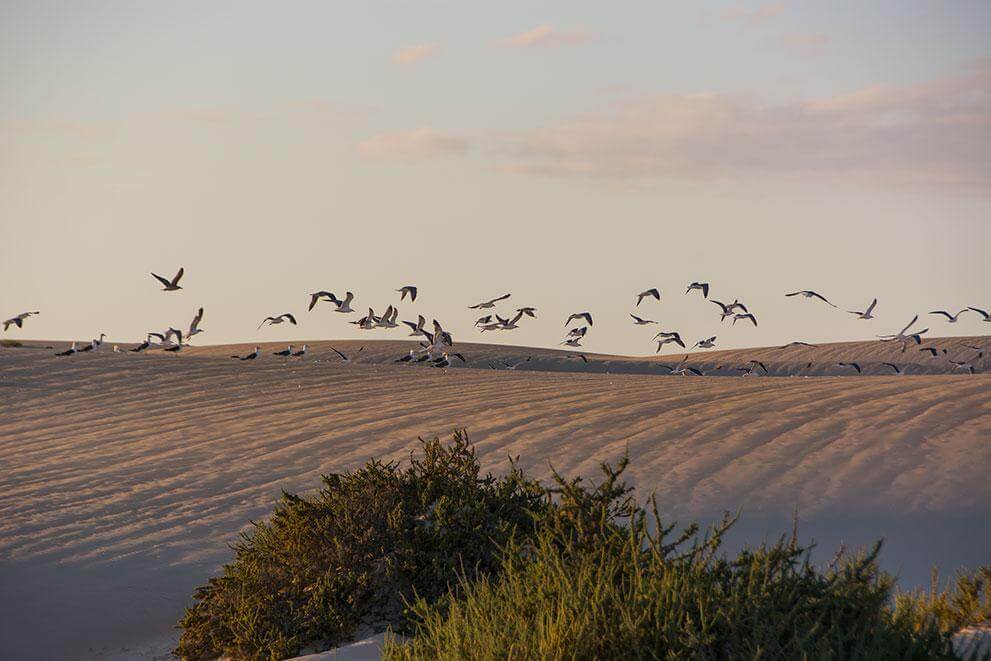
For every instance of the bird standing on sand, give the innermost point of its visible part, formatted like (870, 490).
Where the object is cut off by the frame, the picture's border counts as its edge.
(68, 352)
(648, 293)
(408, 289)
(301, 352)
(285, 353)
(18, 320)
(950, 318)
(866, 314)
(250, 356)
(484, 305)
(272, 321)
(170, 285)
(808, 293)
(701, 286)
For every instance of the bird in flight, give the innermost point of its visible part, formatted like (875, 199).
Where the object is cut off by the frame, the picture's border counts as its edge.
(706, 343)
(728, 310)
(897, 370)
(668, 338)
(866, 314)
(194, 327)
(170, 285)
(737, 317)
(649, 293)
(324, 295)
(855, 366)
(18, 320)
(272, 321)
(408, 289)
(641, 322)
(484, 305)
(445, 360)
(808, 293)
(701, 286)
(587, 316)
(950, 318)
(528, 311)
(797, 343)
(983, 313)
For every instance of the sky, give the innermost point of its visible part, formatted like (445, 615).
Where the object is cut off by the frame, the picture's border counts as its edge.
(571, 153)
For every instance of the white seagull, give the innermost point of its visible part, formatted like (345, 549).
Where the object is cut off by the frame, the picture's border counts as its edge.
(272, 321)
(285, 353)
(417, 326)
(18, 320)
(950, 318)
(345, 305)
(641, 322)
(301, 352)
(728, 310)
(324, 295)
(587, 316)
(866, 314)
(250, 356)
(649, 293)
(484, 305)
(68, 352)
(194, 327)
(701, 286)
(808, 293)
(737, 317)
(706, 343)
(170, 285)
(667, 338)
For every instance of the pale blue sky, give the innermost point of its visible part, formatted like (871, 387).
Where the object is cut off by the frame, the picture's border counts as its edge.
(573, 153)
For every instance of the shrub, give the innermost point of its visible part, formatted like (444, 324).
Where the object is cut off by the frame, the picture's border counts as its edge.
(353, 553)
(603, 579)
(964, 602)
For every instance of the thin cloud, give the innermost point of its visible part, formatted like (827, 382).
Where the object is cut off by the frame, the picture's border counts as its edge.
(804, 43)
(932, 134)
(545, 36)
(416, 144)
(755, 14)
(414, 53)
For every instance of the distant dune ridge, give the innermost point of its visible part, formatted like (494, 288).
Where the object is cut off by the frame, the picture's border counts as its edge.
(125, 476)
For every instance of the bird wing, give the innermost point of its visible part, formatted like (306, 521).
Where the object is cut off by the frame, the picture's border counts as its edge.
(339, 353)
(178, 276)
(822, 298)
(942, 312)
(291, 318)
(981, 312)
(705, 290)
(870, 308)
(909, 324)
(164, 281)
(795, 293)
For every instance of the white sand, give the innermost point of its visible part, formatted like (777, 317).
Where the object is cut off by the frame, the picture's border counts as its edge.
(124, 477)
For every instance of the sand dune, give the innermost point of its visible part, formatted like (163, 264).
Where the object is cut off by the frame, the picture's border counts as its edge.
(125, 476)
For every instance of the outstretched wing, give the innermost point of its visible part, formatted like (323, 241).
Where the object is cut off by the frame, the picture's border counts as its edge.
(164, 281)
(178, 276)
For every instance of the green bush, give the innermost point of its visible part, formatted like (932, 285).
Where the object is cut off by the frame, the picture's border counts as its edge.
(602, 579)
(964, 602)
(352, 554)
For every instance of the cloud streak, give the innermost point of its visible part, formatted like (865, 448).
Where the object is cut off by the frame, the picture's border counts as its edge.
(755, 14)
(417, 144)
(414, 53)
(545, 36)
(932, 134)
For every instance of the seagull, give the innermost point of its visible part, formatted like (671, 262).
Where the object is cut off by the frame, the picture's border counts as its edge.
(388, 320)
(855, 366)
(170, 332)
(580, 315)
(301, 352)
(894, 367)
(417, 327)
(932, 351)
(798, 343)
(751, 366)
(285, 353)
(512, 323)
(750, 316)
(516, 364)
(684, 370)
(194, 327)
(68, 352)
(528, 311)
(573, 342)
(484, 305)
(317, 295)
(580, 355)
(641, 322)
(445, 361)
(408, 289)
(408, 358)
(483, 320)
(174, 348)
(578, 332)
(345, 305)
(648, 293)
(367, 322)
(94, 345)
(147, 343)
(667, 338)
(728, 310)
(706, 343)
(808, 293)
(345, 358)
(18, 320)
(950, 318)
(959, 365)
(983, 313)
(703, 286)
(904, 338)
(250, 356)
(170, 285)
(272, 321)
(866, 314)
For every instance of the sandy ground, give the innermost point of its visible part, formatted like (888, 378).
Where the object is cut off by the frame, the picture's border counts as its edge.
(123, 477)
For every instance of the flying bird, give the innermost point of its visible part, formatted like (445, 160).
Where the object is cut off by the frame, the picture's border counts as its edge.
(345, 305)
(808, 293)
(866, 314)
(737, 317)
(578, 332)
(668, 338)
(587, 316)
(641, 322)
(950, 318)
(483, 320)
(528, 311)
(895, 368)
(959, 365)
(701, 286)
(170, 285)
(983, 313)
(445, 361)
(194, 327)
(345, 358)
(318, 295)
(706, 343)
(580, 355)
(408, 289)
(272, 321)
(417, 326)
(797, 343)
(855, 366)
(682, 369)
(728, 310)
(649, 293)
(18, 320)
(484, 305)
(573, 342)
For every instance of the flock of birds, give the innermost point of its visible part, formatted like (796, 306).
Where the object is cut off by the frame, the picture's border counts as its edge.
(436, 344)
